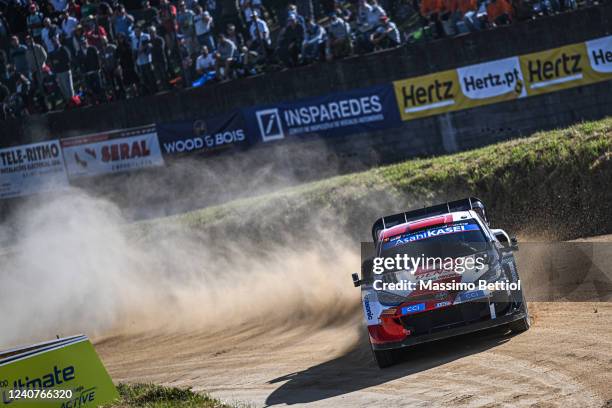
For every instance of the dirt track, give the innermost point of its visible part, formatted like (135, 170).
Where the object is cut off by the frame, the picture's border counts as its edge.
(564, 360)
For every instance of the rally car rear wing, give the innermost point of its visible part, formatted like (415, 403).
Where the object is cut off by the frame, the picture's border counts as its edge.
(466, 204)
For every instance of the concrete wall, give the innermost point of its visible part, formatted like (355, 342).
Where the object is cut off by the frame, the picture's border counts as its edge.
(435, 135)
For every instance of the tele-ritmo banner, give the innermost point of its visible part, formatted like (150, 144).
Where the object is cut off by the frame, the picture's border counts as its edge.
(505, 79)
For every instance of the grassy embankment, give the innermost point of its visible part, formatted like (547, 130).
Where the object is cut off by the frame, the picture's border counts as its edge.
(155, 396)
(556, 183)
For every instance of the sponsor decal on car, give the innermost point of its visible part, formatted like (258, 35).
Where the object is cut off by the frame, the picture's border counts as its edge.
(433, 232)
(413, 308)
(477, 294)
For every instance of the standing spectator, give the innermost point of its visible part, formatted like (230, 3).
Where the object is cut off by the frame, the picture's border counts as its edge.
(314, 42)
(90, 67)
(159, 58)
(127, 63)
(187, 64)
(290, 43)
(167, 14)
(69, 24)
(260, 36)
(205, 62)
(36, 57)
(111, 70)
(18, 58)
(48, 34)
(94, 32)
(35, 22)
(60, 63)
(185, 19)
(226, 55)
(141, 44)
(104, 18)
(386, 35)
(203, 28)
(122, 22)
(339, 42)
(20, 97)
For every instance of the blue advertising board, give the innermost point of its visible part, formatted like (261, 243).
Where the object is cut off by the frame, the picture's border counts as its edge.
(355, 111)
(208, 135)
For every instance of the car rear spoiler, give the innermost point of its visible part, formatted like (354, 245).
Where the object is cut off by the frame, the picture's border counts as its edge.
(466, 204)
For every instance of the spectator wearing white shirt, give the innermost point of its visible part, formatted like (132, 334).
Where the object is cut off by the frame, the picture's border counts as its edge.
(374, 13)
(225, 56)
(260, 35)
(339, 43)
(386, 35)
(203, 27)
(205, 62)
(314, 42)
(142, 48)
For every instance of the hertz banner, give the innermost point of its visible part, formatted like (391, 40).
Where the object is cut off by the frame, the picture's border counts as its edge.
(506, 79)
(66, 373)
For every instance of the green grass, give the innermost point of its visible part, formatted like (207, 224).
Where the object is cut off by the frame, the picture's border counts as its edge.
(155, 396)
(558, 181)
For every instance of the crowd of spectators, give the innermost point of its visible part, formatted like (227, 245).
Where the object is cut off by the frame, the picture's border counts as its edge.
(57, 54)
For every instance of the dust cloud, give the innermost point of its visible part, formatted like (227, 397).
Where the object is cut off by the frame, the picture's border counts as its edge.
(76, 266)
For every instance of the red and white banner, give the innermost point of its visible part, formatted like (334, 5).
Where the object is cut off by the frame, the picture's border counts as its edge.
(112, 152)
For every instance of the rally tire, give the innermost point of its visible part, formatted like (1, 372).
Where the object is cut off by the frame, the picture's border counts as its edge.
(385, 358)
(521, 325)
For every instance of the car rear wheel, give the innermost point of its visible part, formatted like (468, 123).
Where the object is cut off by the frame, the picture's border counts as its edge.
(385, 358)
(520, 325)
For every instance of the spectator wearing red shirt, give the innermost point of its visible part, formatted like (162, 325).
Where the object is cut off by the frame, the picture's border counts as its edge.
(94, 33)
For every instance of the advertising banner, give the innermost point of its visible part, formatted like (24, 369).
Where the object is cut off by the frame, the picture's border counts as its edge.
(112, 152)
(428, 95)
(501, 80)
(209, 135)
(600, 58)
(360, 110)
(66, 373)
(491, 82)
(30, 169)
(555, 69)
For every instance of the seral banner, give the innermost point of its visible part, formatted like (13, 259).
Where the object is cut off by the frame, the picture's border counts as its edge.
(112, 152)
(30, 169)
(65, 373)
